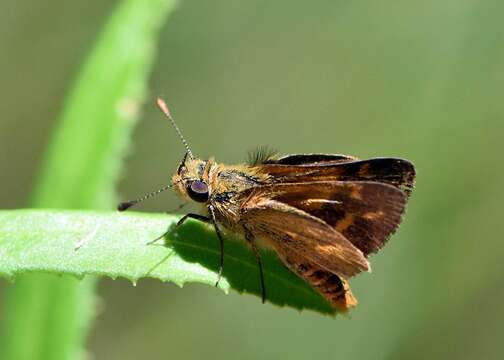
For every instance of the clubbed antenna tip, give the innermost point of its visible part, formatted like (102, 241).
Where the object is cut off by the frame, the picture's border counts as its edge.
(164, 108)
(125, 205)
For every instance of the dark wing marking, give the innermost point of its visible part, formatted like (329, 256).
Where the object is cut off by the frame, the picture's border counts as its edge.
(366, 213)
(331, 286)
(396, 172)
(284, 226)
(309, 159)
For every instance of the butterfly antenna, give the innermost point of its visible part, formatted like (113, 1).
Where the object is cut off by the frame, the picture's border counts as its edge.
(127, 204)
(164, 108)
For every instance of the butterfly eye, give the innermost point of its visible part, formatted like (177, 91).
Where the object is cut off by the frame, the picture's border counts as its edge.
(197, 190)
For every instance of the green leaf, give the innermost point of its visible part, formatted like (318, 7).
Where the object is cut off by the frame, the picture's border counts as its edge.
(113, 244)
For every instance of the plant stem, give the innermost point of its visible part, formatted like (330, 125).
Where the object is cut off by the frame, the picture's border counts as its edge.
(46, 317)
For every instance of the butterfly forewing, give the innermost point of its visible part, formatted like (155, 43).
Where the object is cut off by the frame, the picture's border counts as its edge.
(308, 168)
(309, 159)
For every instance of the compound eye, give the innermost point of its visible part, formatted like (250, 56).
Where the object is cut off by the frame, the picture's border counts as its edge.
(198, 191)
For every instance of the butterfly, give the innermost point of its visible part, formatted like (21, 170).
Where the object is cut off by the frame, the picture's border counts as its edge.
(322, 214)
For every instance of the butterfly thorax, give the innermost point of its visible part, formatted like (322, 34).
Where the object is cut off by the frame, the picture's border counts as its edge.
(227, 186)
(231, 185)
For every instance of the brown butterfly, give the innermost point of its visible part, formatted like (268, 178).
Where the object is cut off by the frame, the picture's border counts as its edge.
(322, 214)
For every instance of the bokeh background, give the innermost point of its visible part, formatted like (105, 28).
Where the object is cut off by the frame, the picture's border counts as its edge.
(420, 80)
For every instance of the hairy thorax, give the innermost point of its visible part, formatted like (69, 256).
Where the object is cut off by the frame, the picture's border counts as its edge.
(228, 186)
(231, 185)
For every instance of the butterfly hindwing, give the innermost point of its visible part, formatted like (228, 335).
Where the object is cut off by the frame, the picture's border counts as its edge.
(331, 286)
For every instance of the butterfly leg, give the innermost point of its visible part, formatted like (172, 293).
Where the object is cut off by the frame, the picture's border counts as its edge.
(251, 240)
(193, 216)
(221, 242)
(180, 222)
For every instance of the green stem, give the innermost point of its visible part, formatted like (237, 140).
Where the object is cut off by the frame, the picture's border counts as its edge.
(46, 317)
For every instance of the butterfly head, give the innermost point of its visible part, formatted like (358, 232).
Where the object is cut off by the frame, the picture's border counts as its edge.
(191, 179)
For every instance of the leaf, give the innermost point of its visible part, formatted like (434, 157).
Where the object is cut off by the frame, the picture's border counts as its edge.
(113, 244)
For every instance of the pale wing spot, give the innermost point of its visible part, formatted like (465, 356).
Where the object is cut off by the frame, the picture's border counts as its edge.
(356, 192)
(373, 215)
(345, 223)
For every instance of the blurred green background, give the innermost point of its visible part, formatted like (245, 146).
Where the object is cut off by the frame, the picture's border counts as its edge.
(418, 80)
